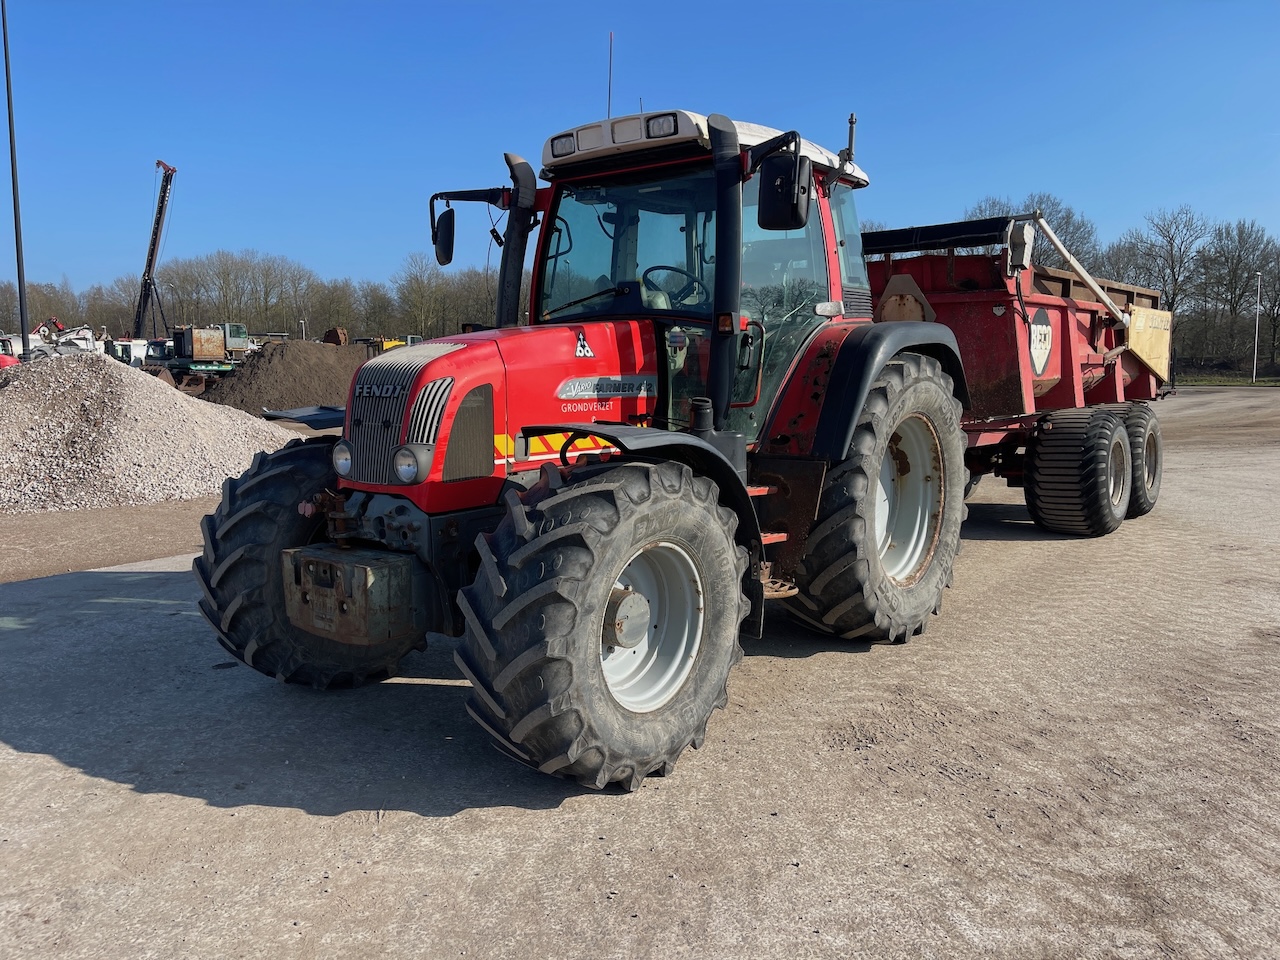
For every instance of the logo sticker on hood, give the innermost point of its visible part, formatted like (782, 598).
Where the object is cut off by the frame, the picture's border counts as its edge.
(606, 388)
(584, 348)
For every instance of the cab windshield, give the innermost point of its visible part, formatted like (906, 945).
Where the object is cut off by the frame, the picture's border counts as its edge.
(638, 242)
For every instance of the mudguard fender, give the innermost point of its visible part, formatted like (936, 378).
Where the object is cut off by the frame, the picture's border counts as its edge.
(703, 458)
(862, 356)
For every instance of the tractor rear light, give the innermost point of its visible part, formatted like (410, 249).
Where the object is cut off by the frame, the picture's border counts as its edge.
(342, 458)
(412, 462)
(724, 323)
(563, 145)
(663, 125)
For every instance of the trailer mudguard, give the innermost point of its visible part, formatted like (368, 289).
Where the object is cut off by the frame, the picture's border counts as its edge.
(650, 443)
(862, 356)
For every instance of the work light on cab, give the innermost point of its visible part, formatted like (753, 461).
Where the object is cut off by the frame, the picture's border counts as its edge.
(564, 145)
(663, 125)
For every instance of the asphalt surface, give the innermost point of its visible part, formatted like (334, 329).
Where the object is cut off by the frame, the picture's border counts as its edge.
(1080, 758)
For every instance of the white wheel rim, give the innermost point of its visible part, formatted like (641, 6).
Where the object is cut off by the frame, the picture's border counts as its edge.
(646, 676)
(908, 500)
(1118, 469)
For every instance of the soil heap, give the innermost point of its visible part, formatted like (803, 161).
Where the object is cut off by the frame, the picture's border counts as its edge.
(297, 373)
(89, 431)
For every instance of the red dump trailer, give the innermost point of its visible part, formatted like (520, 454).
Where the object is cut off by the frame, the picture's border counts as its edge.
(719, 392)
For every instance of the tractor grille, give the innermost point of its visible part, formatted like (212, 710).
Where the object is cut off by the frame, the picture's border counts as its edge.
(428, 411)
(380, 398)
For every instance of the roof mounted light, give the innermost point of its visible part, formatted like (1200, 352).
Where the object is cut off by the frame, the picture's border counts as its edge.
(563, 145)
(662, 125)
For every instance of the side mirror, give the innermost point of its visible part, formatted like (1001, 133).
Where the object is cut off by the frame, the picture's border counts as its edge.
(442, 237)
(785, 191)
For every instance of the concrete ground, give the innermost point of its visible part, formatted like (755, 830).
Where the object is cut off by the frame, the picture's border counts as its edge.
(1080, 758)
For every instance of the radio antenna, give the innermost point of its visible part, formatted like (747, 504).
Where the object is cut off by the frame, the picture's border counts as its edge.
(609, 103)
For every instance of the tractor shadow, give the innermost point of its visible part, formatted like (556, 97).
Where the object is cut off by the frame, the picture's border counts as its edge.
(117, 675)
(1005, 522)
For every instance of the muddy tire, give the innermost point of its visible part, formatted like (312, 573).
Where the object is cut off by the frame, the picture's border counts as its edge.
(240, 574)
(603, 623)
(1079, 472)
(883, 547)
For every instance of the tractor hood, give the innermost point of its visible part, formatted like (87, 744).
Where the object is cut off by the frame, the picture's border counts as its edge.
(461, 403)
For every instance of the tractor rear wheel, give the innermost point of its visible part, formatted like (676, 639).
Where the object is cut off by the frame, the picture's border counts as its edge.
(241, 576)
(603, 622)
(883, 547)
(1079, 472)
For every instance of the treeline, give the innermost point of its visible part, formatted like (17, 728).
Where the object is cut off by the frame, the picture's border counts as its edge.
(1207, 272)
(270, 294)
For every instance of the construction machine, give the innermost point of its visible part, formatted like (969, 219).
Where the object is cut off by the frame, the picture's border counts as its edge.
(148, 291)
(725, 394)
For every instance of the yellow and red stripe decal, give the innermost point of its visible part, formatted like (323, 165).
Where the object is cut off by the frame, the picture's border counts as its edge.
(544, 447)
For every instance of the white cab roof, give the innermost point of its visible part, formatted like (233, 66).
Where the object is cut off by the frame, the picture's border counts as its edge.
(619, 135)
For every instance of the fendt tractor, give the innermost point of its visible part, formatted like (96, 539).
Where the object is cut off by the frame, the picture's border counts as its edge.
(724, 393)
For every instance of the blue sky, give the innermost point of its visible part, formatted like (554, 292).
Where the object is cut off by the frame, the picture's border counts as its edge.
(318, 130)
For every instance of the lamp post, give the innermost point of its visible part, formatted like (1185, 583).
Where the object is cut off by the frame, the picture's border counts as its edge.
(17, 215)
(1257, 314)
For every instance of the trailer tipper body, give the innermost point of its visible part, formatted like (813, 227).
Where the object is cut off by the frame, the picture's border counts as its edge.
(724, 393)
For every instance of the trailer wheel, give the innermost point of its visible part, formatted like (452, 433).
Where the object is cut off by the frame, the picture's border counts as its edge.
(604, 621)
(1079, 472)
(883, 547)
(1146, 449)
(240, 573)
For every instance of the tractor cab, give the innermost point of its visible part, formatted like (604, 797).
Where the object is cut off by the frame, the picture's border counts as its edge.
(641, 221)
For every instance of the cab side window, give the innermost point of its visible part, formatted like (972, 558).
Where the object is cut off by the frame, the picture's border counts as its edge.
(855, 290)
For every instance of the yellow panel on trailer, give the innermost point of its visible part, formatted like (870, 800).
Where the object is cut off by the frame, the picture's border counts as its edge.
(1149, 335)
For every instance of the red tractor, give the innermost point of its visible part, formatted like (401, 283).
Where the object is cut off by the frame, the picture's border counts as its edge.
(724, 393)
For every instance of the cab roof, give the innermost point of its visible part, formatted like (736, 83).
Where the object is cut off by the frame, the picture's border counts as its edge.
(659, 129)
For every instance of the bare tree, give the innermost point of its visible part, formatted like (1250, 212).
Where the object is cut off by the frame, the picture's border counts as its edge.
(1076, 231)
(1169, 246)
(419, 287)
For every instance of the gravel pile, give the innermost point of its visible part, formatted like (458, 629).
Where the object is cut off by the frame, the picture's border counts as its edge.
(296, 373)
(88, 431)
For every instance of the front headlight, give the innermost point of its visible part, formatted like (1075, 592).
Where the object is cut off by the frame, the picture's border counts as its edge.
(342, 458)
(412, 462)
(405, 465)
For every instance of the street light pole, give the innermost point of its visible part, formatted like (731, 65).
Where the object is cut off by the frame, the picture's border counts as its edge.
(17, 214)
(1257, 314)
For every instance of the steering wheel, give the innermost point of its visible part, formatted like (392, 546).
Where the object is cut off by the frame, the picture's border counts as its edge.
(680, 295)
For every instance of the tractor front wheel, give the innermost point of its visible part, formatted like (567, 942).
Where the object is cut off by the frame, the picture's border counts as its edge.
(241, 575)
(604, 621)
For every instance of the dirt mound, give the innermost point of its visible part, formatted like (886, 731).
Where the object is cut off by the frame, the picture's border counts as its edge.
(88, 431)
(297, 373)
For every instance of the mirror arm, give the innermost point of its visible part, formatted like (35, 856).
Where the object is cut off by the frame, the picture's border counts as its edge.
(499, 197)
(760, 152)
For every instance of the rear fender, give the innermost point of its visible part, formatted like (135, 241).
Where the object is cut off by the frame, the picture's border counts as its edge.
(863, 354)
(644, 443)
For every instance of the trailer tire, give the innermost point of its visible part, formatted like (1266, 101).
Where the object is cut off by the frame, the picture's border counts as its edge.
(568, 569)
(242, 583)
(883, 546)
(1146, 450)
(1079, 472)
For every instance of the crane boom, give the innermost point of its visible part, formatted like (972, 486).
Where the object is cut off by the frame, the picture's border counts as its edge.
(148, 279)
